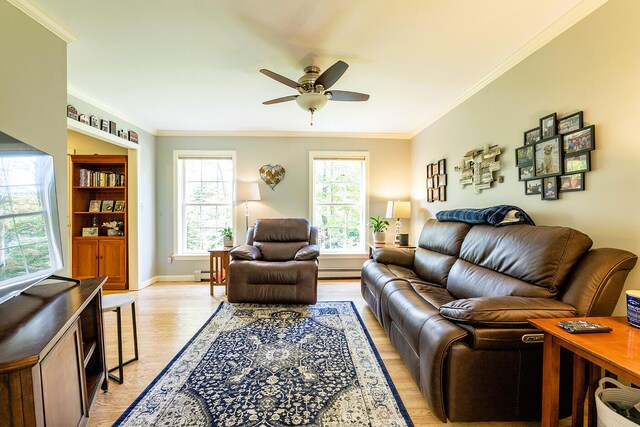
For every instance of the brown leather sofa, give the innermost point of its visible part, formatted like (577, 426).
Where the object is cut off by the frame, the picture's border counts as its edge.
(457, 309)
(279, 263)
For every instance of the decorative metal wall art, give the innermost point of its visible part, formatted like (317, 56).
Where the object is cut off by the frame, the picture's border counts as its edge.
(478, 168)
(272, 175)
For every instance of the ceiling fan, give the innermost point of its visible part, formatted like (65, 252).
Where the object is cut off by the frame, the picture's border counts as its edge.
(314, 88)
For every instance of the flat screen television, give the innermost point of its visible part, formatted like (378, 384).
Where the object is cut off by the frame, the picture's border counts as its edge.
(30, 245)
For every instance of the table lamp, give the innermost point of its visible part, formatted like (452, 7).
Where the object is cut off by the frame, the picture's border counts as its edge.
(397, 209)
(247, 191)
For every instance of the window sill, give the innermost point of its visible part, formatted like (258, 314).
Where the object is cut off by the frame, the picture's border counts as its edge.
(342, 255)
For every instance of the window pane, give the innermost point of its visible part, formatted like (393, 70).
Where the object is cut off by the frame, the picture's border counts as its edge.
(206, 201)
(339, 203)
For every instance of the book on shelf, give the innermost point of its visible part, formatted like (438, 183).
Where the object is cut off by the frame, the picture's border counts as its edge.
(89, 178)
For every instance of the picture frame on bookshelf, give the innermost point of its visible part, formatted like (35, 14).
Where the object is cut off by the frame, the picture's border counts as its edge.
(107, 206)
(133, 136)
(104, 125)
(113, 128)
(94, 205)
(570, 123)
(89, 231)
(94, 122)
(548, 125)
(118, 206)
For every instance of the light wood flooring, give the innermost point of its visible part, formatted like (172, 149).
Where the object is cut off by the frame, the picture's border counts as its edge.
(169, 314)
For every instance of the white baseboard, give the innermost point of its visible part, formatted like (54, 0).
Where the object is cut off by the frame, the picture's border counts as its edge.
(337, 273)
(148, 282)
(176, 278)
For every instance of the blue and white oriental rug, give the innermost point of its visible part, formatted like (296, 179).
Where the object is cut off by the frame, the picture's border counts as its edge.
(274, 365)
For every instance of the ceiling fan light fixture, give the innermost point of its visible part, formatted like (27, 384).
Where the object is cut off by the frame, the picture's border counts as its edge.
(311, 101)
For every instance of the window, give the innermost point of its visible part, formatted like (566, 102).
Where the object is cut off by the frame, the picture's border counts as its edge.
(204, 183)
(338, 199)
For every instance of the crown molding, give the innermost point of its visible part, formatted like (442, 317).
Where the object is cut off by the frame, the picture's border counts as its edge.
(108, 109)
(284, 134)
(566, 21)
(43, 18)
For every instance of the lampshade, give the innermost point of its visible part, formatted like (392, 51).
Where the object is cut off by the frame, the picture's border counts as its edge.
(311, 101)
(247, 191)
(398, 209)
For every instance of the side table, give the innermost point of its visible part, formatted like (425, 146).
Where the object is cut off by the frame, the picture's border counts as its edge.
(617, 351)
(373, 246)
(218, 258)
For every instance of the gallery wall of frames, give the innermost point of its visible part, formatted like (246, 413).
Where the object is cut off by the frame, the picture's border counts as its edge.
(556, 156)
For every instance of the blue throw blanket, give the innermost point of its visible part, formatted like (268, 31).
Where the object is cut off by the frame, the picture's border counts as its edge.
(495, 215)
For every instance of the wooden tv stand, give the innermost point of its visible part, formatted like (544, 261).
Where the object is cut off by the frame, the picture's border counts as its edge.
(52, 358)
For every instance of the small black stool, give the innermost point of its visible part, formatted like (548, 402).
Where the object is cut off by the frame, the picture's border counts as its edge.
(115, 302)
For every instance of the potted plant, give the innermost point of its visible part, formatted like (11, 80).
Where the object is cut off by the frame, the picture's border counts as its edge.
(227, 236)
(378, 226)
(112, 227)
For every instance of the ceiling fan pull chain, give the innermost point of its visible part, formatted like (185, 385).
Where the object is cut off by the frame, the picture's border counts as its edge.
(312, 110)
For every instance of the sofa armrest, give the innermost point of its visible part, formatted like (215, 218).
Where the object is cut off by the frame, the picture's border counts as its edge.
(504, 311)
(307, 253)
(246, 253)
(395, 256)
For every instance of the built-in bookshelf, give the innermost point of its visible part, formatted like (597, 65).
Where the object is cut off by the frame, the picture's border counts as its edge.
(99, 200)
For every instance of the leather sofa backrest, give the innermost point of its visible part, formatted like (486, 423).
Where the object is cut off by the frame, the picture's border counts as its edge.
(438, 248)
(516, 260)
(280, 238)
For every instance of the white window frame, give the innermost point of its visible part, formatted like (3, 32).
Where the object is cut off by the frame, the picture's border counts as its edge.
(342, 155)
(177, 198)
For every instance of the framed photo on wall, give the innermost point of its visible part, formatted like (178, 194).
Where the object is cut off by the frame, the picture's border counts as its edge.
(524, 156)
(572, 182)
(548, 157)
(526, 173)
(570, 123)
(532, 135)
(550, 188)
(580, 162)
(533, 187)
(580, 140)
(548, 125)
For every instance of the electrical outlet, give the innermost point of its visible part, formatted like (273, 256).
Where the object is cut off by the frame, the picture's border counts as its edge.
(501, 179)
(169, 260)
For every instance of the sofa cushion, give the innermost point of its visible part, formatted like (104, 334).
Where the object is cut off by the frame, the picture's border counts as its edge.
(438, 248)
(535, 256)
(246, 252)
(307, 253)
(433, 294)
(285, 251)
(281, 230)
(504, 311)
(397, 256)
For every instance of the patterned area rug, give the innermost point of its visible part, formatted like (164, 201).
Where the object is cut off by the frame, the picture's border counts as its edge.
(275, 365)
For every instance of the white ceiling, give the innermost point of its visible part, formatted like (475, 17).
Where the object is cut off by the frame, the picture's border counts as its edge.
(192, 65)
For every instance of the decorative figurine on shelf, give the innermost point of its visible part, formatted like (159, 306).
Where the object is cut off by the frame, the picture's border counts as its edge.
(112, 227)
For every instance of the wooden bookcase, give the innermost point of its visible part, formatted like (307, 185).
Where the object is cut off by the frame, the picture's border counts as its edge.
(101, 255)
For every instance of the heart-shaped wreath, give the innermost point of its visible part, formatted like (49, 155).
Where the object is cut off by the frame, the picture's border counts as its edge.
(272, 175)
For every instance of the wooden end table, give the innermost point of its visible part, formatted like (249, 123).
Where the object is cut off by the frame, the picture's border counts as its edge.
(617, 351)
(373, 246)
(219, 258)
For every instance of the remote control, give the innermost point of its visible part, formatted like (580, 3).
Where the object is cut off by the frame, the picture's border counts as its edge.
(583, 327)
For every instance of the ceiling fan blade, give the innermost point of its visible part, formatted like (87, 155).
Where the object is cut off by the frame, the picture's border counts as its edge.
(332, 74)
(281, 79)
(279, 100)
(342, 95)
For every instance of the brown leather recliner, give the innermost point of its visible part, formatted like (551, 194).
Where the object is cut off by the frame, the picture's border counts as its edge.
(457, 309)
(278, 264)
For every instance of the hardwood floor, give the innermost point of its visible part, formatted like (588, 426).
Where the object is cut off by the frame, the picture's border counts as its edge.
(169, 314)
